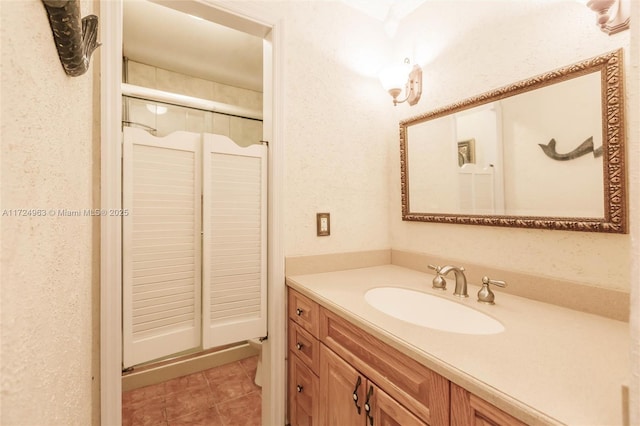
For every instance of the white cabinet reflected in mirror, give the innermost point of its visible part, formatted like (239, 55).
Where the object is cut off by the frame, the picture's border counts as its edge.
(547, 152)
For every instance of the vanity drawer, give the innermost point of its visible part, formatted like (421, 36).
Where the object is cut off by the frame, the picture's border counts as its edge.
(422, 391)
(303, 394)
(303, 311)
(304, 346)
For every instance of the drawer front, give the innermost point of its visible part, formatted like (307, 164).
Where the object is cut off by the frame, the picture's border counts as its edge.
(303, 393)
(303, 311)
(422, 391)
(304, 346)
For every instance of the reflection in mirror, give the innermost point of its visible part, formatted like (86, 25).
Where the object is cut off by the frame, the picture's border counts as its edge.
(547, 152)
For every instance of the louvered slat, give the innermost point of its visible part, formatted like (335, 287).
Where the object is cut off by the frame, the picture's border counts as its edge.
(234, 243)
(161, 265)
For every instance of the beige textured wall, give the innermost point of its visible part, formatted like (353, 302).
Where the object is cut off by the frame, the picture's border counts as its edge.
(497, 52)
(47, 146)
(337, 128)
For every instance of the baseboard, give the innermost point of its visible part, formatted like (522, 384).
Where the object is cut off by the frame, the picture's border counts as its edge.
(151, 375)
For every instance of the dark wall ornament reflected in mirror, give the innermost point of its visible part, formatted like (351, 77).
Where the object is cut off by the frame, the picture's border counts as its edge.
(74, 38)
(548, 153)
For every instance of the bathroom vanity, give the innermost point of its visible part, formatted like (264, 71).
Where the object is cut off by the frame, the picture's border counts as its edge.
(350, 363)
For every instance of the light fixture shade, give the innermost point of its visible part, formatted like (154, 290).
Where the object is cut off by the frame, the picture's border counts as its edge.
(398, 77)
(395, 76)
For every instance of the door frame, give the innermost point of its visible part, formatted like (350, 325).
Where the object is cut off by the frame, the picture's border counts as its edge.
(256, 20)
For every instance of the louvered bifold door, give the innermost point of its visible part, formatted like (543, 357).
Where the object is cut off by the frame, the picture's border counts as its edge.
(161, 245)
(234, 241)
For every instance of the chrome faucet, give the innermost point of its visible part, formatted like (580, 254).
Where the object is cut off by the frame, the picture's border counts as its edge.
(461, 279)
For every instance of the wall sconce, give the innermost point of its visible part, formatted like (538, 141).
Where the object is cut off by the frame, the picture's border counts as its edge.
(394, 78)
(612, 15)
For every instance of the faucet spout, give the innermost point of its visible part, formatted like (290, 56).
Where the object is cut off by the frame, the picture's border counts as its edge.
(461, 279)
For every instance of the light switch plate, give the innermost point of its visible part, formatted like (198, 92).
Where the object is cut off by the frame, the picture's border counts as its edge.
(323, 224)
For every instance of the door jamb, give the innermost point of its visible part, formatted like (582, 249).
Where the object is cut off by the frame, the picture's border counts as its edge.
(274, 349)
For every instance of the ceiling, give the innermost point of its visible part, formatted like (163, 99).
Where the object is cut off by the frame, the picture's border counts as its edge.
(160, 36)
(383, 9)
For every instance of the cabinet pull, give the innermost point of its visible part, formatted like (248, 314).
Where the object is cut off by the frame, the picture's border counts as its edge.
(299, 388)
(299, 346)
(367, 405)
(299, 311)
(355, 393)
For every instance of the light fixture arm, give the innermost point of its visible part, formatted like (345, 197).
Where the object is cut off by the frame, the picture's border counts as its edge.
(413, 88)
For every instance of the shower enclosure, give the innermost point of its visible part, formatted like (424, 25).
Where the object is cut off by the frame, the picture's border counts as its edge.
(194, 239)
(161, 113)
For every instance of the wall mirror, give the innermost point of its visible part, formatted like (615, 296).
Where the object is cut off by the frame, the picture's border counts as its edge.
(546, 152)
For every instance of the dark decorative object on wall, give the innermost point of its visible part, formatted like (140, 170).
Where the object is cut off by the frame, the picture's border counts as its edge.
(584, 148)
(75, 43)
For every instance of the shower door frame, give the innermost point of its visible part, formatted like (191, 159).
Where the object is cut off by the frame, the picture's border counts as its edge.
(256, 21)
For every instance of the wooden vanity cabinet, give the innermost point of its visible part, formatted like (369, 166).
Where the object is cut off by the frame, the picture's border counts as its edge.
(407, 382)
(347, 397)
(303, 393)
(304, 360)
(468, 409)
(341, 375)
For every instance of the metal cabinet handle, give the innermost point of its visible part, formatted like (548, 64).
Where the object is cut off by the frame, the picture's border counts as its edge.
(367, 406)
(299, 346)
(299, 311)
(299, 388)
(355, 394)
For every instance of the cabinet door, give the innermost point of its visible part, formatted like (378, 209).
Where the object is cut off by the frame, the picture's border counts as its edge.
(382, 410)
(468, 409)
(303, 394)
(342, 391)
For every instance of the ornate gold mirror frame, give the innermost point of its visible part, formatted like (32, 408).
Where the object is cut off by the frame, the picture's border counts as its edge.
(614, 173)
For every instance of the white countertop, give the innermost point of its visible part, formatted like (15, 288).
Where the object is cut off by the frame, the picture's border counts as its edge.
(551, 365)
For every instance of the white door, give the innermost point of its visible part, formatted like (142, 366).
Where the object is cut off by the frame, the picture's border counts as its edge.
(161, 245)
(234, 247)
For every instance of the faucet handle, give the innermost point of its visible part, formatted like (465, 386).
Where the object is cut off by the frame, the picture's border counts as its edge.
(485, 295)
(439, 283)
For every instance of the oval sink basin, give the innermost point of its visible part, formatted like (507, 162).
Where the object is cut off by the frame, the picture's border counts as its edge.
(431, 311)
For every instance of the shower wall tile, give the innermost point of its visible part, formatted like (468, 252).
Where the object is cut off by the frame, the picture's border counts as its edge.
(170, 81)
(237, 96)
(141, 74)
(174, 119)
(221, 124)
(199, 88)
(185, 85)
(245, 132)
(195, 121)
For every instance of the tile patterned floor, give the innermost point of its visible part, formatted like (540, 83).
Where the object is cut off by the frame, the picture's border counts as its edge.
(220, 396)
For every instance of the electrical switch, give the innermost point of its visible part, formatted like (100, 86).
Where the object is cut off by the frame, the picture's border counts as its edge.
(323, 224)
